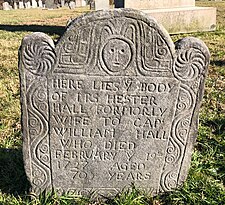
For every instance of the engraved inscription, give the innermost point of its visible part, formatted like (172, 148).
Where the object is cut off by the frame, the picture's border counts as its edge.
(107, 121)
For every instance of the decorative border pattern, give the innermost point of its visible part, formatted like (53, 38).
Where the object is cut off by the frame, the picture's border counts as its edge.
(190, 67)
(37, 61)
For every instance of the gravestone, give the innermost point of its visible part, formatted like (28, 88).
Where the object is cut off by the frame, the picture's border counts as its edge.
(27, 5)
(114, 102)
(15, 5)
(34, 3)
(177, 16)
(6, 6)
(101, 4)
(62, 3)
(72, 5)
(21, 5)
(40, 4)
(49, 4)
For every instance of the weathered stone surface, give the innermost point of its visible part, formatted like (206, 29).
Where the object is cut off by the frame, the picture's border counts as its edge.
(114, 102)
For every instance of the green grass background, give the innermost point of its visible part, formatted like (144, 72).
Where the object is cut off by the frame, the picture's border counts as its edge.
(206, 178)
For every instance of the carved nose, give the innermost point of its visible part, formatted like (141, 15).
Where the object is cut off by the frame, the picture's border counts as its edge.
(116, 58)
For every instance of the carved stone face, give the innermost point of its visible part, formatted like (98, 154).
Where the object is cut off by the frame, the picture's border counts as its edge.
(116, 55)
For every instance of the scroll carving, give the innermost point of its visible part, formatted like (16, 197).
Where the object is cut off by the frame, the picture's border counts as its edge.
(39, 137)
(190, 67)
(38, 58)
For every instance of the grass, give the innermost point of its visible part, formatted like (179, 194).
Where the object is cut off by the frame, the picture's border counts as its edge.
(206, 179)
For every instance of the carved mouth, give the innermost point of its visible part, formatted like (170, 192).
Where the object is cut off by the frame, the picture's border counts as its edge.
(116, 64)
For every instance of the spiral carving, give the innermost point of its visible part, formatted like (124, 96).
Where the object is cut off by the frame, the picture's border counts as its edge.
(41, 94)
(43, 152)
(35, 126)
(173, 152)
(169, 181)
(184, 102)
(44, 148)
(39, 177)
(189, 64)
(170, 159)
(40, 98)
(38, 135)
(182, 128)
(39, 57)
(161, 49)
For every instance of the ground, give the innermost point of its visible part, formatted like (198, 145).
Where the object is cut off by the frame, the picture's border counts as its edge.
(206, 179)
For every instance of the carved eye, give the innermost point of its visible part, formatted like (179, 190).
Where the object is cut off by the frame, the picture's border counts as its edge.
(112, 50)
(122, 51)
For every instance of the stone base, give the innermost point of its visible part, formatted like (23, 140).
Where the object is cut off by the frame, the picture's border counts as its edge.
(185, 20)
